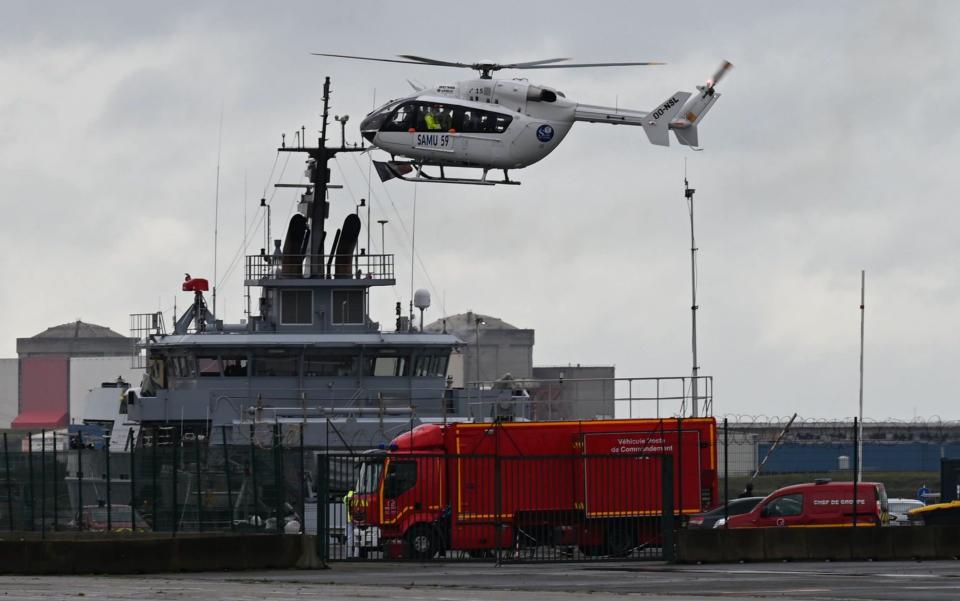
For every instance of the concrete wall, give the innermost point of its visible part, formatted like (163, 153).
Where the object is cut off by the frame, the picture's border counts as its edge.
(817, 544)
(90, 372)
(27, 553)
(9, 391)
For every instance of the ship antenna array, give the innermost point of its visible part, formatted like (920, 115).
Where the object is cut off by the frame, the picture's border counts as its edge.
(320, 179)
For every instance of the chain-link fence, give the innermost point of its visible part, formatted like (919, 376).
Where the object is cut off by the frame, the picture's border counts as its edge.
(163, 481)
(759, 454)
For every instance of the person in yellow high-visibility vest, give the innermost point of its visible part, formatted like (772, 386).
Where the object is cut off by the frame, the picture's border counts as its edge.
(347, 500)
(430, 120)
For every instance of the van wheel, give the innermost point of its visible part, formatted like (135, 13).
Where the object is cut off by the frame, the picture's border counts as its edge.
(422, 542)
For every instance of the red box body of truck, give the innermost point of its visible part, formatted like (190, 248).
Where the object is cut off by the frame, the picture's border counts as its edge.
(593, 485)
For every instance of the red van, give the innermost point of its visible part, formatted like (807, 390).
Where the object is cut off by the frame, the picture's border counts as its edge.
(819, 504)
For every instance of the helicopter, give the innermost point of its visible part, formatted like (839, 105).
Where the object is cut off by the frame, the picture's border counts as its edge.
(502, 124)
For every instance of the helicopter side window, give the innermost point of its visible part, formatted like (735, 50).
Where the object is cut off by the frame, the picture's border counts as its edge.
(402, 119)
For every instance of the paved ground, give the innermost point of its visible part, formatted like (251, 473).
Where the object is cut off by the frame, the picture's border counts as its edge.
(533, 582)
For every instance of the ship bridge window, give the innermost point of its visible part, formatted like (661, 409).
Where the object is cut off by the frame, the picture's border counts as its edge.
(275, 364)
(388, 365)
(209, 367)
(296, 307)
(183, 367)
(430, 366)
(235, 367)
(347, 307)
(329, 365)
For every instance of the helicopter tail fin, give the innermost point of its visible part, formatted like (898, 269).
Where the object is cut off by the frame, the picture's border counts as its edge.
(657, 122)
(685, 124)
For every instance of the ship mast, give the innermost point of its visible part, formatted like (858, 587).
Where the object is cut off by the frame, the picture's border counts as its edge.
(319, 174)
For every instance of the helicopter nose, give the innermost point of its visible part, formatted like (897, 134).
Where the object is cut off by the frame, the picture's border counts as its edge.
(368, 135)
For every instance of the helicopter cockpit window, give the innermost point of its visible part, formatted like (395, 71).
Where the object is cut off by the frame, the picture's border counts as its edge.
(402, 119)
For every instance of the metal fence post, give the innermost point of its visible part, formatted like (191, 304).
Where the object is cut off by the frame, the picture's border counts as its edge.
(856, 479)
(106, 450)
(726, 473)
(79, 480)
(153, 482)
(196, 457)
(253, 473)
(133, 478)
(323, 492)
(43, 483)
(175, 442)
(55, 478)
(226, 474)
(667, 508)
(6, 461)
(33, 517)
(303, 488)
(278, 478)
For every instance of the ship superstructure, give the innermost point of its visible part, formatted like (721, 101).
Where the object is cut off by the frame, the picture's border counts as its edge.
(312, 359)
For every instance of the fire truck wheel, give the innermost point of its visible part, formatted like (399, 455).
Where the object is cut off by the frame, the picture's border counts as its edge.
(620, 539)
(423, 542)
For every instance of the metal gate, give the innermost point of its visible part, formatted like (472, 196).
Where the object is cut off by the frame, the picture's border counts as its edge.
(424, 507)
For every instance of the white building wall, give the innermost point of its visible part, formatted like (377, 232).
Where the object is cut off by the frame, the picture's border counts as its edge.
(89, 372)
(9, 391)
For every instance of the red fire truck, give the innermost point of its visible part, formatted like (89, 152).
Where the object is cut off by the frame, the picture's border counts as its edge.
(592, 485)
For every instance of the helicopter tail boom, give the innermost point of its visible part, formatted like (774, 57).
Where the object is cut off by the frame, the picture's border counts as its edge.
(655, 123)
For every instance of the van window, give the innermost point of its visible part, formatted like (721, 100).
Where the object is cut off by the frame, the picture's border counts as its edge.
(785, 506)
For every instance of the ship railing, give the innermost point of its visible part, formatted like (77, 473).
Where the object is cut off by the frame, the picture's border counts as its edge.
(143, 326)
(590, 398)
(358, 267)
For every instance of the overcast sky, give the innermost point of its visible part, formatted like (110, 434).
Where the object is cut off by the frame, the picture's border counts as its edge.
(833, 149)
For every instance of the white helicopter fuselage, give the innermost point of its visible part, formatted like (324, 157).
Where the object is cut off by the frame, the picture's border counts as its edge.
(486, 123)
(511, 124)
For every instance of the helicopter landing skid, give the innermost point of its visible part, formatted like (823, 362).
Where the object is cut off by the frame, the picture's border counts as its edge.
(414, 172)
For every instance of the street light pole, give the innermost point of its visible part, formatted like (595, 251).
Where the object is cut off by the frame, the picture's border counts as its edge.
(688, 194)
(863, 282)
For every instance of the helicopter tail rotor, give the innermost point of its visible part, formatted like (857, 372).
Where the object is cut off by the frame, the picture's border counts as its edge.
(684, 126)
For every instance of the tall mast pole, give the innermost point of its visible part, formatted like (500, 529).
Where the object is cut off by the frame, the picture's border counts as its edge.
(688, 194)
(863, 282)
(320, 179)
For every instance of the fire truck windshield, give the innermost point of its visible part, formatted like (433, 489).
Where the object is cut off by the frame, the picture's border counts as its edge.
(369, 478)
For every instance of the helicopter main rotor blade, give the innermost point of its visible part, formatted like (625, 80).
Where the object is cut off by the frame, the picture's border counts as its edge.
(369, 58)
(576, 65)
(529, 64)
(431, 61)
